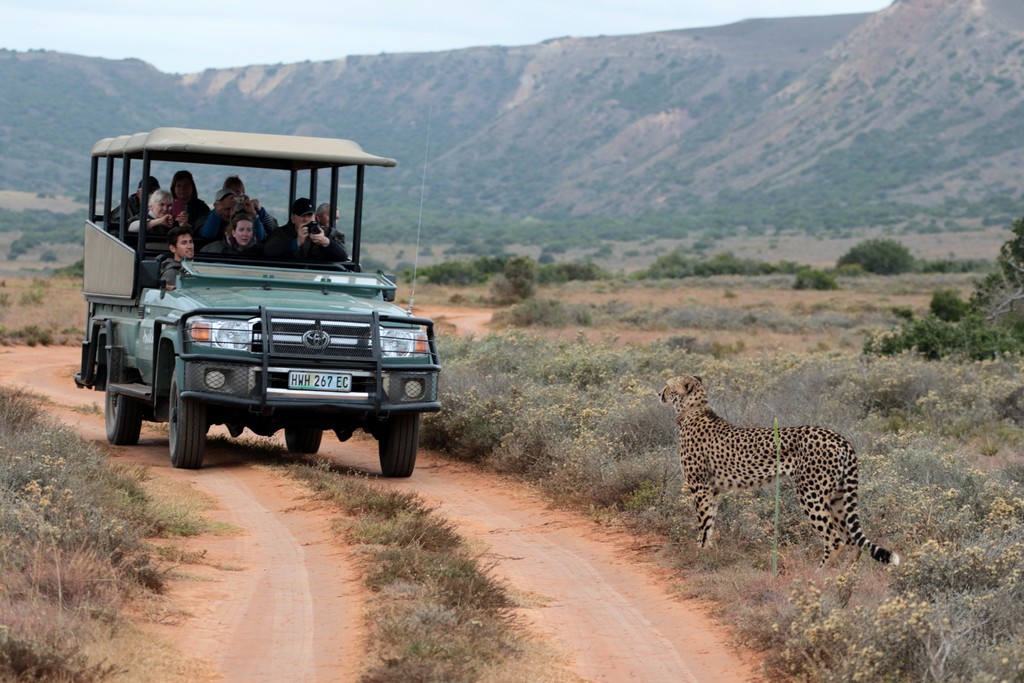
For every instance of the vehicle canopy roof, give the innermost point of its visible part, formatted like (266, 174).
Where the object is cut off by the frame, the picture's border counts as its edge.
(262, 150)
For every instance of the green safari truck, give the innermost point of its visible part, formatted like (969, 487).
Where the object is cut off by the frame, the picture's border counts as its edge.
(249, 342)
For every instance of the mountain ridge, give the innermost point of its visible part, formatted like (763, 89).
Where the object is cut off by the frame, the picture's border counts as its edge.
(911, 117)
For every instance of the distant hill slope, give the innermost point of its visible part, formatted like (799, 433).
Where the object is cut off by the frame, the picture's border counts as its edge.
(910, 117)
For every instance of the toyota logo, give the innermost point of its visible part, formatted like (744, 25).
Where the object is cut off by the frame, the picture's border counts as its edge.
(316, 339)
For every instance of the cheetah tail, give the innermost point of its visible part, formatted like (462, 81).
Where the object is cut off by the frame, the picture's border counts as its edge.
(877, 552)
(856, 535)
(881, 554)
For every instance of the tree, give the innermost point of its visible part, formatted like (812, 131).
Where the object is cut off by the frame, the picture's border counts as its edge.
(879, 256)
(1002, 291)
(516, 283)
(989, 326)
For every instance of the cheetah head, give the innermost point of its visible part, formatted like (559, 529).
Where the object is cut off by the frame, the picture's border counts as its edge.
(684, 393)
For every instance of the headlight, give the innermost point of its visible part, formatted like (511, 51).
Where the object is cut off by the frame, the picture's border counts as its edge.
(221, 333)
(403, 341)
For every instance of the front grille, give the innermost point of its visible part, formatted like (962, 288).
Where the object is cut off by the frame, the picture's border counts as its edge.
(315, 338)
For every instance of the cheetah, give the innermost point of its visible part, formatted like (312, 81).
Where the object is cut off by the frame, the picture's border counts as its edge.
(716, 456)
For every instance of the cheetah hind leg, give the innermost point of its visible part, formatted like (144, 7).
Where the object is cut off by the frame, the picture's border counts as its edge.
(706, 504)
(843, 539)
(817, 508)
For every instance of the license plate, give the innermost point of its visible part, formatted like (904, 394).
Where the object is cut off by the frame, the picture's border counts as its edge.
(319, 381)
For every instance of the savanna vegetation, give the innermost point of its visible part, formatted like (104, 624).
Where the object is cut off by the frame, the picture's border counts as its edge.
(938, 427)
(72, 551)
(940, 483)
(565, 398)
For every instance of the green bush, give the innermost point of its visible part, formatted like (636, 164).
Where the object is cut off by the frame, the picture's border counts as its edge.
(516, 282)
(546, 313)
(971, 337)
(811, 278)
(879, 256)
(677, 265)
(946, 305)
(569, 272)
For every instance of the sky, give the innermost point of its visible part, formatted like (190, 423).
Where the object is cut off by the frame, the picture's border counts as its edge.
(188, 36)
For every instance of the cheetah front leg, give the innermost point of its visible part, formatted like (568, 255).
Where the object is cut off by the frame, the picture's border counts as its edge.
(705, 501)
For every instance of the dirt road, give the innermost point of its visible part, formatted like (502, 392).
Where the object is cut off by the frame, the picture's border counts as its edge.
(281, 599)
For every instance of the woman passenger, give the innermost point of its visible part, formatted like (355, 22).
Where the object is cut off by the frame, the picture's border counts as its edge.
(239, 238)
(189, 210)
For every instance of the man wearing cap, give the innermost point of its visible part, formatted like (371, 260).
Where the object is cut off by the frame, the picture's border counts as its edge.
(303, 238)
(225, 205)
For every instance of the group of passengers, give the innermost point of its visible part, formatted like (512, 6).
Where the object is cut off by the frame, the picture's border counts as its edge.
(238, 224)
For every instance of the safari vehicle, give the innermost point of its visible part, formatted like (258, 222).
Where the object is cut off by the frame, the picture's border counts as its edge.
(245, 341)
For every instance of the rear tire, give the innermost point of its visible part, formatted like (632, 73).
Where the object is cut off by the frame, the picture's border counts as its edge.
(122, 414)
(397, 441)
(303, 439)
(186, 430)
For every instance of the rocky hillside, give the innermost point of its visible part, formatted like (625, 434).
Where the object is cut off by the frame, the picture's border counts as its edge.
(911, 117)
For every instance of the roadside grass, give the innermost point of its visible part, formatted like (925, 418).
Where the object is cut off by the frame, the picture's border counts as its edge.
(73, 554)
(582, 421)
(439, 614)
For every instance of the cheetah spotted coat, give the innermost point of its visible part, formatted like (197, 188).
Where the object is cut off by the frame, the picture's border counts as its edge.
(716, 456)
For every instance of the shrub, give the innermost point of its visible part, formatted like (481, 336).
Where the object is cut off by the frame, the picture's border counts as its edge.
(516, 282)
(71, 527)
(546, 313)
(677, 265)
(971, 337)
(811, 278)
(568, 272)
(880, 256)
(462, 272)
(946, 305)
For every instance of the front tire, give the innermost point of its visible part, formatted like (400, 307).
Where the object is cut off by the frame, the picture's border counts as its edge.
(397, 441)
(186, 430)
(303, 439)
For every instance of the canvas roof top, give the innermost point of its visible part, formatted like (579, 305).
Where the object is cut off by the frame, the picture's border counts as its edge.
(263, 150)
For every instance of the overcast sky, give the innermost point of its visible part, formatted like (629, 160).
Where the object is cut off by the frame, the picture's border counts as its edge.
(186, 36)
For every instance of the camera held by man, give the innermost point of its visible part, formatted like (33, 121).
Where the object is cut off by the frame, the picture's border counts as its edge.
(304, 237)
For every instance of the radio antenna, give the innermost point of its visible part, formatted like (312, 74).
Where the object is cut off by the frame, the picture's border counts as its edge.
(419, 220)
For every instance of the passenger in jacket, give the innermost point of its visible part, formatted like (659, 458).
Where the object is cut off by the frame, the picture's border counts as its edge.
(303, 238)
(239, 238)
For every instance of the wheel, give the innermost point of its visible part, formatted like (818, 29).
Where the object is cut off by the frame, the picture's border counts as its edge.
(397, 441)
(186, 430)
(303, 439)
(123, 414)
